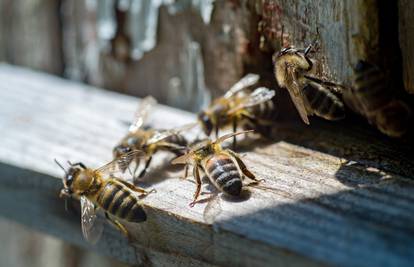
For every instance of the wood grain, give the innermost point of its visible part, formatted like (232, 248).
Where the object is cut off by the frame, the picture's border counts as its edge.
(31, 34)
(406, 30)
(335, 195)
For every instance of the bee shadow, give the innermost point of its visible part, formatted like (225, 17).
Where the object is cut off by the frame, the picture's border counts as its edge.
(160, 170)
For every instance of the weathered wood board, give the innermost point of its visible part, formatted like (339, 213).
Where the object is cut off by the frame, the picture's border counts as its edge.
(345, 31)
(30, 34)
(406, 30)
(339, 195)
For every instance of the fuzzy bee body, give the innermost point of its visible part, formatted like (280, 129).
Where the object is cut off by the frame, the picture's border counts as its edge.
(295, 71)
(240, 106)
(177, 139)
(323, 102)
(371, 87)
(223, 173)
(372, 97)
(148, 140)
(265, 111)
(99, 189)
(224, 167)
(120, 201)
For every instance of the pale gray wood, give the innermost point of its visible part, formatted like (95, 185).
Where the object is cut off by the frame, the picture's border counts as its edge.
(340, 195)
(406, 30)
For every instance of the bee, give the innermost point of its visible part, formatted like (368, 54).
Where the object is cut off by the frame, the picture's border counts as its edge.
(223, 167)
(294, 70)
(149, 140)
(100, 189)
(239, 107)
(372, 97)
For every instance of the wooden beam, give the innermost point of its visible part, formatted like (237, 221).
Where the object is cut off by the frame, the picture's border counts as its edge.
(337, 194)
(406, 31)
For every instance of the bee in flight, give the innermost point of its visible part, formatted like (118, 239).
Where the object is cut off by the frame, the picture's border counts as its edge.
(149, 140)
(294, 71)
(250, 109)
(223, 167)
(100, 189)
(373, 98)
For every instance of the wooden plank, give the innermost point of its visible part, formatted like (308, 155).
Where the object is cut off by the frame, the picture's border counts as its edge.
(346, 31)
(31, 34)
(406, 31)
(341, 195)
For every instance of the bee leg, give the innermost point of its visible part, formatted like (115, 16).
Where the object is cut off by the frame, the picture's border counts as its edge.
(118, 225)
(137, 161)
(217, 129)
(196, 174)
(142, 191)
(242, 166)
(234, 130)
(145, 168)
(307, 50)
(185, 172)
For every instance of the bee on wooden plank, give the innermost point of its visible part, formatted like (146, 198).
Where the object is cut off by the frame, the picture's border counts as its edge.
(294, 71)
(223, 167)
(100, 189)
(149, 140)
(240, 107)
(371, 96)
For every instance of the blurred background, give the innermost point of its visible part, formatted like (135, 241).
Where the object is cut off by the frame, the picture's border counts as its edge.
(184, 53)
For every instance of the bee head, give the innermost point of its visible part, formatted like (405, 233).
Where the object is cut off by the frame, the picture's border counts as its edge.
(72, 177)
(206, 122)
(121, 150)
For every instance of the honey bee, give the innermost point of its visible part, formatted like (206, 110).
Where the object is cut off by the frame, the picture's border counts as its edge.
(372, 97)
(239, 107)
(100, 189)
(149, 140)
(294, 71)
(223, 167)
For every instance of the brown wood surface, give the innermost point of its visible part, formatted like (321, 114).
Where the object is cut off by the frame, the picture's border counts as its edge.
(335, 195)
(30, 34)
(406, 31)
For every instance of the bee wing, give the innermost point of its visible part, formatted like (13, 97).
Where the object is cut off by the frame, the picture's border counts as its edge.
(161, 135)
(259, 95)
(331, 86)
(182, 159)
(248, 80)
(297, 97)
(120, 163)
(142, 112)
(91, 227)
(229, 135)
(213, 209)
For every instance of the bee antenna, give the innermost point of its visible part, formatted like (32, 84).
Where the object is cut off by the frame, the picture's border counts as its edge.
(70, 163)
(60, 165)
(314, 42)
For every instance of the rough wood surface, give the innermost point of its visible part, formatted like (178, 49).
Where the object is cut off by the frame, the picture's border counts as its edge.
(31, 34)
(341, 196)
(406, 28)
(346, 31)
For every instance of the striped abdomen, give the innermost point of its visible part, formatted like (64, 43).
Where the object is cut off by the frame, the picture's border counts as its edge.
(223, 172)
(371, 87)
(177, 139)
(323, 102)
(120, 201)
(265, 111)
